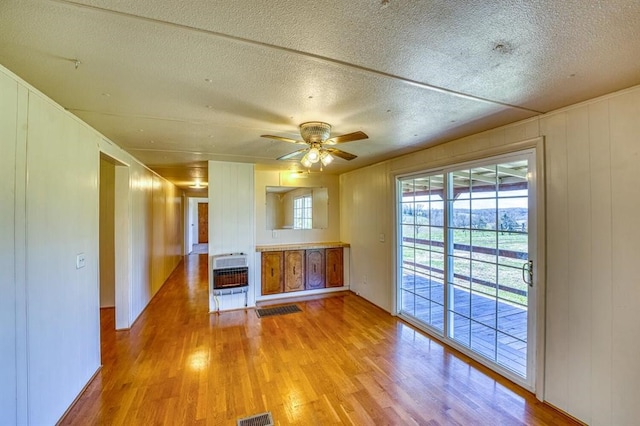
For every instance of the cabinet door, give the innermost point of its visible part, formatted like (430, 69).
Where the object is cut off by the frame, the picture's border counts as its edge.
(335, 277)
(315, 269)
(272, 272)
(293, 270)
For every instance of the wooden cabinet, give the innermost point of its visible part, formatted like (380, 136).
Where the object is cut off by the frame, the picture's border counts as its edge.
(315, 269)
(334, 261)
(272, 272)
(300, 269)
(293, 270)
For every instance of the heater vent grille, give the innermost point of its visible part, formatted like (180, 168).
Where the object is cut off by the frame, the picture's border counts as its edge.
(230, 261)
(263, 419)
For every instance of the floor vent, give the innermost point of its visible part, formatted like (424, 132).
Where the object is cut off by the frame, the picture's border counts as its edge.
(263, 419)
(278, 310)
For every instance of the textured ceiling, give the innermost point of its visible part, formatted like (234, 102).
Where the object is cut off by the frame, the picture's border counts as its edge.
(178, 83)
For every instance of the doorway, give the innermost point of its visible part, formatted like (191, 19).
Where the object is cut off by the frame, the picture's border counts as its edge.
(198, 225)
(466, 250)
(107, 234)
(114, 243)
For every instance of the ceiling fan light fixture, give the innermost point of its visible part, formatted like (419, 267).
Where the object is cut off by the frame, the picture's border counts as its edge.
(315, 131)
(326, 158)
(306, 162)
(315, 135)
(313, 155)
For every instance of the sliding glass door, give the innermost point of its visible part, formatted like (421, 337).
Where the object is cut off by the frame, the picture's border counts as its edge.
(465, 250)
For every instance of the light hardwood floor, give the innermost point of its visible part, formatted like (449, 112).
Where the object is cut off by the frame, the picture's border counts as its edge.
(341, 360)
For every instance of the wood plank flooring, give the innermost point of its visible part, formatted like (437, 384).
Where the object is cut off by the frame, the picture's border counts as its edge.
(340, 361)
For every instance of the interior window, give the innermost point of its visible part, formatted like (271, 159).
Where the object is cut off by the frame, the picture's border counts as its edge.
(302, 212)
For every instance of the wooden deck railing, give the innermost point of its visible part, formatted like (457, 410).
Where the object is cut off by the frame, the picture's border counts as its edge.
(475, 249)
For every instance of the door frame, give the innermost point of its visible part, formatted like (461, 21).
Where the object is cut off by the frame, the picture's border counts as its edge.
(537, 145)
(191, 221)
(122, 242)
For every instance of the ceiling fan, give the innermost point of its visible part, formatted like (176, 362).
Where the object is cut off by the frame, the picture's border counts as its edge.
(315, 135)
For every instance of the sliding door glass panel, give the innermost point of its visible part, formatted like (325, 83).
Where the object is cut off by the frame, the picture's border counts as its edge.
(407, 218)
(422, 248)
(491, 203)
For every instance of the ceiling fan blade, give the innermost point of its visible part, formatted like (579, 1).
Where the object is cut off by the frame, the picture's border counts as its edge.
(349, 137)
(342, 154)
(292, 154)
(280, 138)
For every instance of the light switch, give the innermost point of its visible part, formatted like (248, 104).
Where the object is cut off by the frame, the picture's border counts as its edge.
(381, 238)
(80, 261)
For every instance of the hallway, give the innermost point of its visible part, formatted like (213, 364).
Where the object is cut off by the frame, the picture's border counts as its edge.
(340, 361)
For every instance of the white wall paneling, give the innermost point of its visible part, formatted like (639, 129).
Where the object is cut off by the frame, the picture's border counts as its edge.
(141, 237)
(624, 128)
(50, 214)
(122, 246)
(601, 263)
(592, 191)
(62, 223)
(578, 198)
(557, 262)
(592, 195)
(232, 221)
(367, 211)
(231, 213)
(8, 141)
(20, 233)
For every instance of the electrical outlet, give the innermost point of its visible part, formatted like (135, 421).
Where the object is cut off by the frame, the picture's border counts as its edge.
(364, 280)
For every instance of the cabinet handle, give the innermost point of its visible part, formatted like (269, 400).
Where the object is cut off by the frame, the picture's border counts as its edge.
(334, 267)
(294, 270)
(314, 269)
(272, 272)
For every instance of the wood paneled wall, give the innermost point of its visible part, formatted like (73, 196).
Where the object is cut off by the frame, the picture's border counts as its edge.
(592, 152)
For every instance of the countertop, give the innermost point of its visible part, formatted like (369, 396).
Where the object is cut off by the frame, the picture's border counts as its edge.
(299, 246)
